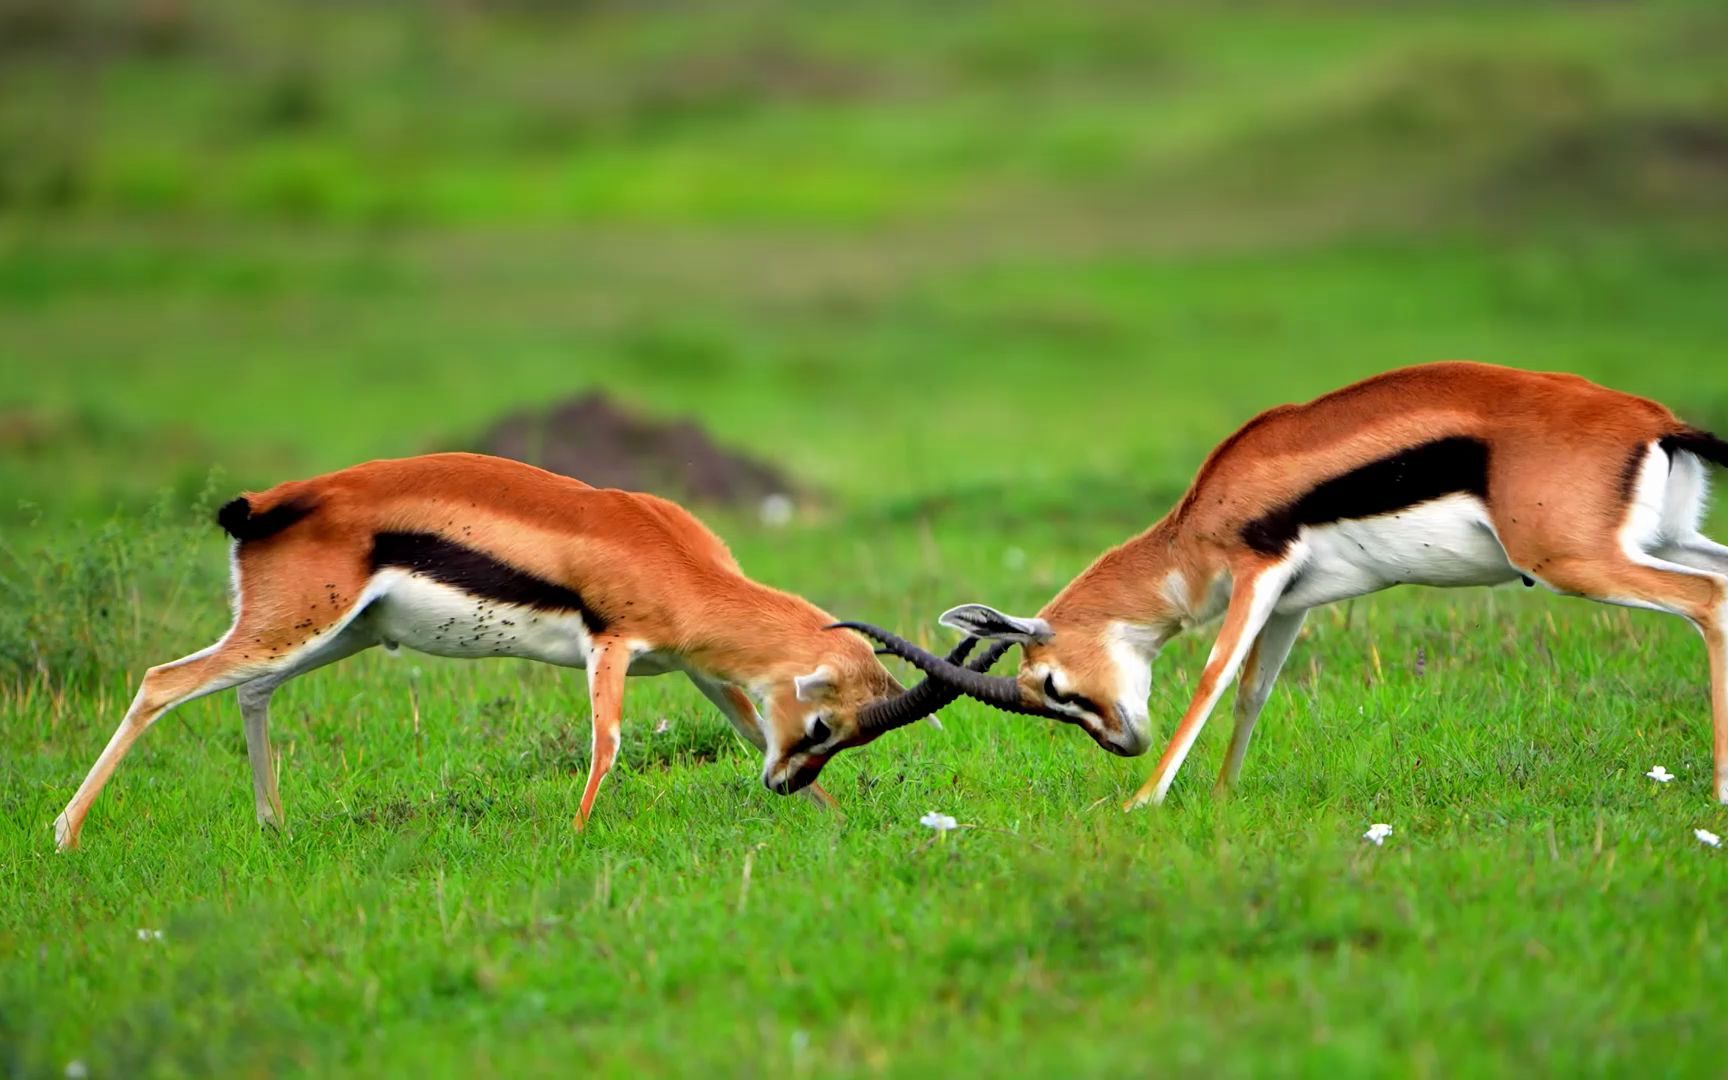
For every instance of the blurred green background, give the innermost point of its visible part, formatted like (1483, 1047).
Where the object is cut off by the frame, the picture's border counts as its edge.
(987, 280)
(895, 246)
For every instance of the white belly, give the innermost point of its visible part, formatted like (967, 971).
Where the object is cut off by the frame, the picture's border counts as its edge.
(433, 618)
(1447, 542)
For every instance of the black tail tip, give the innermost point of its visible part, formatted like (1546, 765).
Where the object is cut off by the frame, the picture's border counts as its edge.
(234, 516)
(1701, 443)
(238, 520)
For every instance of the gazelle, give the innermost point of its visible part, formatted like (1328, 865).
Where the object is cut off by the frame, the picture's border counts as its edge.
(1443, 474)
(469, 556)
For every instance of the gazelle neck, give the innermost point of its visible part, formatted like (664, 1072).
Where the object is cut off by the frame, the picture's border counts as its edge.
(750, 633)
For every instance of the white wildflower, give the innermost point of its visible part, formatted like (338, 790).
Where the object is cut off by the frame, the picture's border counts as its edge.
(1660, 775)
(663, 726)
(940, 822)
(1707, 838)
(1377, 833)
(776, 510)
(149, 935)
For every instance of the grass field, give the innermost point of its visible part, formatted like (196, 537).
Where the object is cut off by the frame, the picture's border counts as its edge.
(991, 280)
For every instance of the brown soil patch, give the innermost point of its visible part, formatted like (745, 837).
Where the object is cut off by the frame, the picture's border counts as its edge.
(599, 442)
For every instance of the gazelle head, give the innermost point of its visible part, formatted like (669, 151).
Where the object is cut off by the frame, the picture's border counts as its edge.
(848, 700)
(1091, 673)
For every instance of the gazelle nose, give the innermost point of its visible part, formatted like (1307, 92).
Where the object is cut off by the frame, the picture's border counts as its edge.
(793, 780)
(1130, 742)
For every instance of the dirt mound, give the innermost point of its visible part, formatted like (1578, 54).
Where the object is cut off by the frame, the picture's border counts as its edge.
(599, 442)
(1662, 160)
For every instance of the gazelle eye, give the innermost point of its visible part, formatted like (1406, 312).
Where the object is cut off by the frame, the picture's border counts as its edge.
(819, 732)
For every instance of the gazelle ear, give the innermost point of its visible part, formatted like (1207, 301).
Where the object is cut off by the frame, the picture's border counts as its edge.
(816, 686)
(986, 622)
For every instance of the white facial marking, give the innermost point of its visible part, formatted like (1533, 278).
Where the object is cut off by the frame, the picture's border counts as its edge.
(1131, 653)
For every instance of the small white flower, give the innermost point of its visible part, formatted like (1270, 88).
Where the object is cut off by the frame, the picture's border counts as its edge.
(776, 510)
(1707, 838)
(1377, 833)
(1660, 775)
(149, 935)
(77, 1070)
(940, 822)
(663, 726)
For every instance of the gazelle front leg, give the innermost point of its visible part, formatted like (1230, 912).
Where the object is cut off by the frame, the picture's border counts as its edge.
(1255, 591)
(608, 664)
(1265, 661)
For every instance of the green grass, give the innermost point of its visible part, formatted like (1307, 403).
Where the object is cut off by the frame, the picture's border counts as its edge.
(1540, 905)
(991, 279)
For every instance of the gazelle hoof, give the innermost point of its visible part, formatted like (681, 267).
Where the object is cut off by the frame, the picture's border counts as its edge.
(65, 836)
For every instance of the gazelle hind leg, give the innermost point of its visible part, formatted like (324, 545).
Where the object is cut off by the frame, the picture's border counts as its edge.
(261, 644)
(163, 687)
(735, 705)
(1265, 661)
(1252, 597)
(255, 713)
(1694, 594)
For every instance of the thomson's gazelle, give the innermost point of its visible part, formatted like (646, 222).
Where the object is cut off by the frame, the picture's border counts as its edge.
(1443, 474)
(469, 556)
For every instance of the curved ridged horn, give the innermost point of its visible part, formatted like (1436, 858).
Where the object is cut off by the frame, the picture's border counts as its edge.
(910, 706)
(999, 691)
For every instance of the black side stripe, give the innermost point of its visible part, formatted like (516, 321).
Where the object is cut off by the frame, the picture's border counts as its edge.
(477, 573)
(1408, 478)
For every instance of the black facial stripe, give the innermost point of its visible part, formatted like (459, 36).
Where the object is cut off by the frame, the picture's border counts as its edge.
(1077, 700)
(476, 573)
(1408, 478)
(811, 740)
